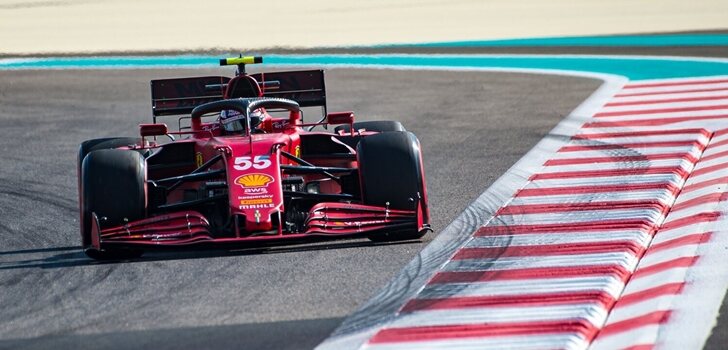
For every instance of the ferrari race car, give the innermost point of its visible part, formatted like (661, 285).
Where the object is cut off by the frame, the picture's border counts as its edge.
(243, 167)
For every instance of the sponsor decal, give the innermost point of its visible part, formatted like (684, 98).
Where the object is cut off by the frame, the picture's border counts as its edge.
(199, 159)
(280, 124)
(255, 197)
(211, 127)
(253, 180)
(255, 190)
(297, 151)
(256, 206)
(256, 201)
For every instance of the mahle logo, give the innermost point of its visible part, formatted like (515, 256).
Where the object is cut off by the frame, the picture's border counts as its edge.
(253, 180)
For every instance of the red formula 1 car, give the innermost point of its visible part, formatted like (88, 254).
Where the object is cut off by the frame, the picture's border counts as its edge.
(248, 169)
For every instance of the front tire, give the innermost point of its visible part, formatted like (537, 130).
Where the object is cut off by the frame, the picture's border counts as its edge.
(390, 172)
(113, 185)
(86, 148)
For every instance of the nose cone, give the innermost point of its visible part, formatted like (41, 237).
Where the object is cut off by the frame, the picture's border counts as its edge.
(254, 184)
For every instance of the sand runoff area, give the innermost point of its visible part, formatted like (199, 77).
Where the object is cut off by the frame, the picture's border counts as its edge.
(98, 26)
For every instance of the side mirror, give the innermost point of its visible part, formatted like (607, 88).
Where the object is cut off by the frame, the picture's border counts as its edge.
(340, 118)
(153, 129)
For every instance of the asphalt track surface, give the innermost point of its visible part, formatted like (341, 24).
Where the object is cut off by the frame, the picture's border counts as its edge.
(473, 127)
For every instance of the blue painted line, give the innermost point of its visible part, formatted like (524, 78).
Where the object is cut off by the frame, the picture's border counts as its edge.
(109, 62)
(634, 68)
(655, 40)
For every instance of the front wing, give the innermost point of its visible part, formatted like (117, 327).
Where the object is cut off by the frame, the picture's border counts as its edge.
(326, 220)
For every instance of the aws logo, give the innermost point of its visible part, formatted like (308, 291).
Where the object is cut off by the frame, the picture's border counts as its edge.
(253, 180)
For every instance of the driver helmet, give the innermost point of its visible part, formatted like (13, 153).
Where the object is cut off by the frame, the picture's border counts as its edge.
(234, 122)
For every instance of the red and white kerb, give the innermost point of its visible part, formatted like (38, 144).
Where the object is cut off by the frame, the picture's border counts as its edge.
(603, 246)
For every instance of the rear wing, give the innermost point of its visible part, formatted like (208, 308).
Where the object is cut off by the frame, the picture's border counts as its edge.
(306, 87)
(182, 95)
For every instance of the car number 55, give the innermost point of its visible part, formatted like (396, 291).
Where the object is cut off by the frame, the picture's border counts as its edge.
(245, 163)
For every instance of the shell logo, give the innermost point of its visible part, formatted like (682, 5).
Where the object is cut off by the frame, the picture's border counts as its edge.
(253, 180)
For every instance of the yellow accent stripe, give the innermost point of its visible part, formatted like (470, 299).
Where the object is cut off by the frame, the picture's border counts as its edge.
(243, 60)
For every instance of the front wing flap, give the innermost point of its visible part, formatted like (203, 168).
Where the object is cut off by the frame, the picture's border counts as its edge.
(342, 218)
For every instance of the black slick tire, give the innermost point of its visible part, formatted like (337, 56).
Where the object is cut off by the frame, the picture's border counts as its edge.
(113, 185)
(390, 173)
(85, 148)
